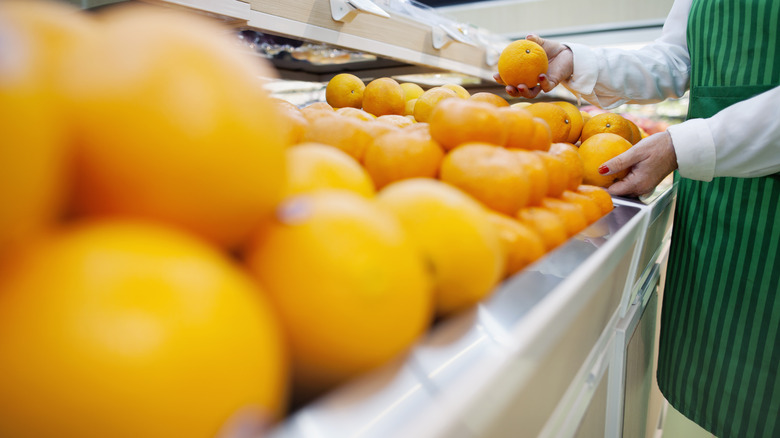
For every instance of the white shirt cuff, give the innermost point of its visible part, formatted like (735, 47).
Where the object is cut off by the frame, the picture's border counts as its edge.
(586, 67)
(695, 149)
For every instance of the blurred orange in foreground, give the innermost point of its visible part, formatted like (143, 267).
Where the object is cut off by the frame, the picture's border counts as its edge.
(174, 125)
(36, 37)
(129, 330)
(350, 287)
(315, 166)
(455, 235)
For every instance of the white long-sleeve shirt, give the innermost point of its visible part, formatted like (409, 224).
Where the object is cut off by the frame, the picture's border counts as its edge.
(742, 140)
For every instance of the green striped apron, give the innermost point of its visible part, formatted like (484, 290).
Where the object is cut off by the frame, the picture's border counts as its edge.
(719, 349)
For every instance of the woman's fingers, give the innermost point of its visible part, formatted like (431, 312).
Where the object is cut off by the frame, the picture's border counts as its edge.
(648, 162)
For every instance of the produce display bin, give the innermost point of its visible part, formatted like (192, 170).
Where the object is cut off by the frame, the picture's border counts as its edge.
(549, 353)
(564, 348)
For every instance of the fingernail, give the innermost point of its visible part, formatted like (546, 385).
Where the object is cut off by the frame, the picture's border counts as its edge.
(603, 170)
(541, 78)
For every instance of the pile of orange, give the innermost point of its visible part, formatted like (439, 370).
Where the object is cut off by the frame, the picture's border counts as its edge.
(176, 241)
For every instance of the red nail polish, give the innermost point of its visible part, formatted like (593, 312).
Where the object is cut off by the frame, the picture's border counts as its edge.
(603, 170)
(541, 78)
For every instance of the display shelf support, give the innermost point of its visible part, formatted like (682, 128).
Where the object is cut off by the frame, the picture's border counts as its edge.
(341, 9)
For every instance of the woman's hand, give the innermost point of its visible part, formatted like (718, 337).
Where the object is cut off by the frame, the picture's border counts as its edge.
(561, 67)
(649, 161)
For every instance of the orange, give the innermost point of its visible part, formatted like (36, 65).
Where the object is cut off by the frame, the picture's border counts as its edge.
(573, 118)
(491, 174)
(607, 122)
(285, 105)
(166, 328)
(491, 98)
(317, 110)
(293, 123)
(520, 127)
(521, 62)
(571, 161)
(457, 121)
(34, 155)
(571, 213)
(376, 129)
(419, 126)
(193, 138)
(455, 235)
(348, 282)
(589, 207)
(396, 120)
(355, 113)
(411, 90)
(557, 178)
(459, 90)
(345, 90)
(402, 154)
(585, 117)
(595, 151)
(546, 223)
(600, 196)
(346, 133)
(556, 118)
(523, 245)
(636, 134)
(428, 100)
(315, 166)
(409, 107)
(533, 166)
(521, 104)
(384, 96)
(319, 106)
(541, 139)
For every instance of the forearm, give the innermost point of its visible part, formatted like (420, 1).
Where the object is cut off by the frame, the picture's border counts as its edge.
(611, 77)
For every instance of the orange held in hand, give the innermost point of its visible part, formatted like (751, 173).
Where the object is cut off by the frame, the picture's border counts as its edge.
(521, 62)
